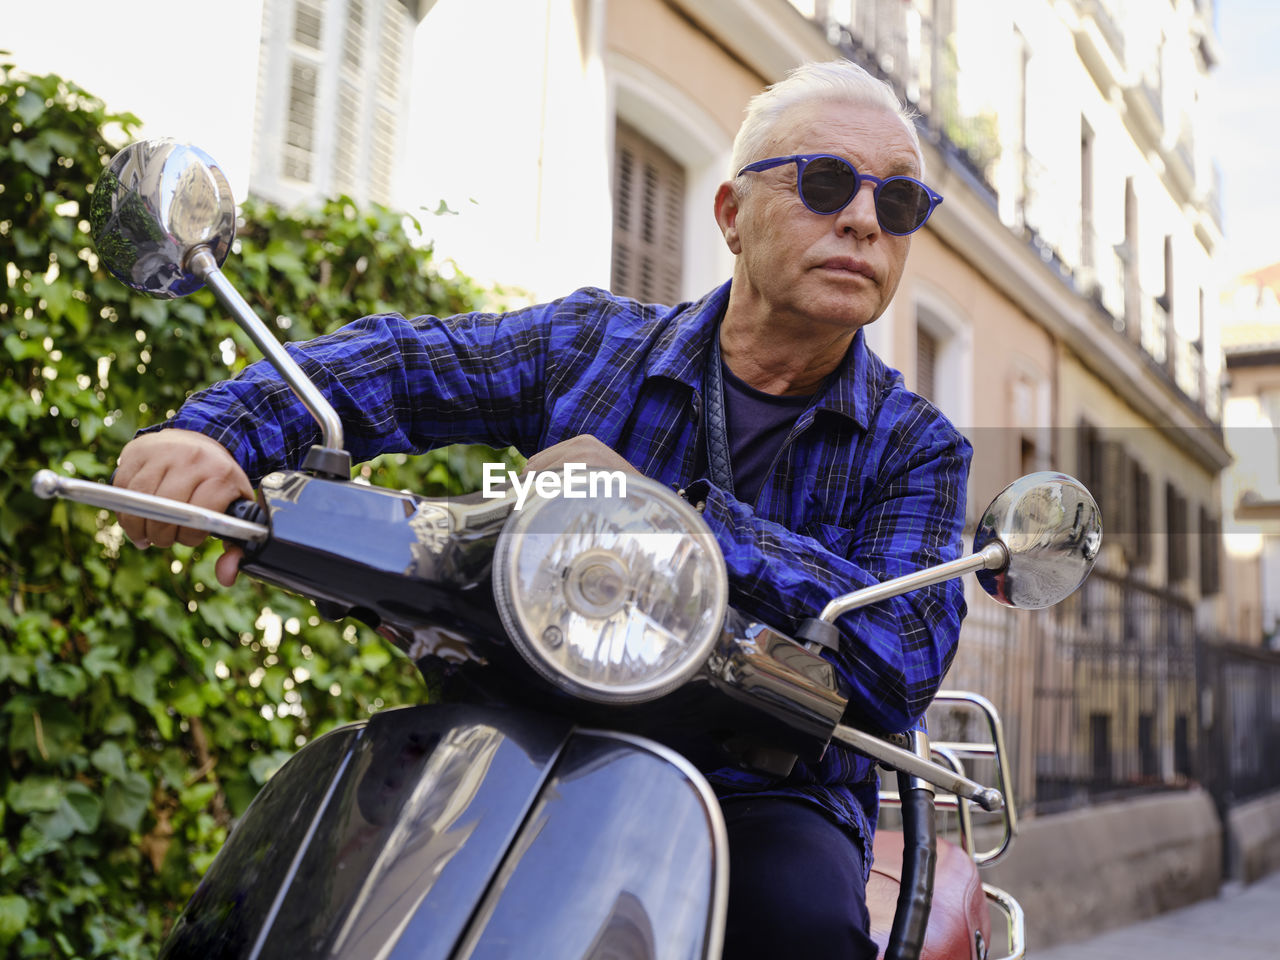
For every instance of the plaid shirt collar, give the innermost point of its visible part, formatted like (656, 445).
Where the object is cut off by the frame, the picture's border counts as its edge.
(680, 350)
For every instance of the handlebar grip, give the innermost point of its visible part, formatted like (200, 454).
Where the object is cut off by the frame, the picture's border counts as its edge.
(919, 858)
(247, 510)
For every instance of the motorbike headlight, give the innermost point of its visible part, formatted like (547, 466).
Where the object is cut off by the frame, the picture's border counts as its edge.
(616, 598)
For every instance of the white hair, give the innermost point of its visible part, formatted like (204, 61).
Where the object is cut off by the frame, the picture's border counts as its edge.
(841, 81)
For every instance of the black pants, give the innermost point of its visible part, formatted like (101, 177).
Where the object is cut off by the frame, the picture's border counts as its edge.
(796, 885)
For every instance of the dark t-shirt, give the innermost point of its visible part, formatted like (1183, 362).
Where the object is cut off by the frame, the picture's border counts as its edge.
(758, 424)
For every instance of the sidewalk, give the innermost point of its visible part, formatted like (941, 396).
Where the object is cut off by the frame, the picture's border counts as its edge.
(1242, 923)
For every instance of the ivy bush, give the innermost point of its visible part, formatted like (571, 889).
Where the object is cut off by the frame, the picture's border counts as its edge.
(141, 705)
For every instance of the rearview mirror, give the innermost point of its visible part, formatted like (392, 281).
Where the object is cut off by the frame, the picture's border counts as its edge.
(1052, 530)
(156, 202)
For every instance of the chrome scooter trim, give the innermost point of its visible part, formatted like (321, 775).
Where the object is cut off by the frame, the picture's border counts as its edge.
(948, 801)
(993, 556)
(996, 750)
(1016, 923)
(906, 761)
(202, 263)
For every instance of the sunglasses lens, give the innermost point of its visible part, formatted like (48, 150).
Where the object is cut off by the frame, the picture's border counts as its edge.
(902, 205)
(828, 184)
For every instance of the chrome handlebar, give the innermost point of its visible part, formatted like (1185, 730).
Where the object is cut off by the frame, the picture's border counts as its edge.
(46, 484)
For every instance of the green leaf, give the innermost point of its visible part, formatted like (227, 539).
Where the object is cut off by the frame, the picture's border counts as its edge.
(29, 107)
(198, 796)
(21, 349)
(37, 156)
(35, 794)
(263, 765)
(16, 667)
(163, 720)
(126, 801)
(14, 912)
(187, 698)
(34, 843)
(62, 680)
(63, 143)
(273, 683)
(46, 730)
(56, 826)
(101, 659)
(118, 723)
(28, 244)
(83, 806)
(374, 656)
(109, 758)
(140, 684)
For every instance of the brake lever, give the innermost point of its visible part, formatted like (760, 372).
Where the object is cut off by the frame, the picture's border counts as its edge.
(47, 485)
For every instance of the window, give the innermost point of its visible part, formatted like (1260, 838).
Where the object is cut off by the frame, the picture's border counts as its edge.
(1140, 513)
(299, 132)
(308, 22)
(353, 41)
(346, 141)
(648, 219)
(944, 354)
(1177, 534)
(1147, 758)
(1182, 745)
(926, 364)
(1100, 747)
(1113, 493)
(1089, 459)
(1210, 543)
(331, 96)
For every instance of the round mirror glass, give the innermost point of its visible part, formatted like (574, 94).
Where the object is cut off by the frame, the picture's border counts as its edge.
(1052, 530)
(156, 200)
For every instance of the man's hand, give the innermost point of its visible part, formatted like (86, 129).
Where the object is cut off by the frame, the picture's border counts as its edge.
(584, 449)
(187, 466)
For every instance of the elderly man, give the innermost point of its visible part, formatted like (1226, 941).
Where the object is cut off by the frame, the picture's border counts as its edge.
(816, 470)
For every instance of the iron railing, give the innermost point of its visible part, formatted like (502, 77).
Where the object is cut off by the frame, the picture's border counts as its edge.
(1098, 694)
(1240, 701)
(1112, 693)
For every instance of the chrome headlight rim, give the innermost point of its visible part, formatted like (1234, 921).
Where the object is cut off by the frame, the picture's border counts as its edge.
(713, 598)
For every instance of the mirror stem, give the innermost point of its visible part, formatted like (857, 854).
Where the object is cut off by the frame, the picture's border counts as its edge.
(201, 262)
(993, 556)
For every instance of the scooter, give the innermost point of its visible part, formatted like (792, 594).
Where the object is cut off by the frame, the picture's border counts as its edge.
(552, 806)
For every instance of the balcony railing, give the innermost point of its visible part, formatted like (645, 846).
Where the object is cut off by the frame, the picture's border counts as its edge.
(900, 42)
(1100, 11)
(1185, 148)
(1215, 197)
(1188, 368)
(1154, 327)
(1101, 275)
(1052, 222)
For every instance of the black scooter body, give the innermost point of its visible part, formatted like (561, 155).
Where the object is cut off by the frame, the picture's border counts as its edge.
(448, 831)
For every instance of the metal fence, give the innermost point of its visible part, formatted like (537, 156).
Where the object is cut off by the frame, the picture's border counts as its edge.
(1098, 694)
(1240, 714)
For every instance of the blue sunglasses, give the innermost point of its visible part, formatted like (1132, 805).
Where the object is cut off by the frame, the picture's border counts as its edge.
(827, 184)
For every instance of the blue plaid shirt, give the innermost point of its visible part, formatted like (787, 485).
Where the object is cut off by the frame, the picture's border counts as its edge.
(869, 484)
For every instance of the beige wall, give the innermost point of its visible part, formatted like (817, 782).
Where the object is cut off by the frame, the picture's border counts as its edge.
(1010, 364)
(1083, 395)
(651, 33)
